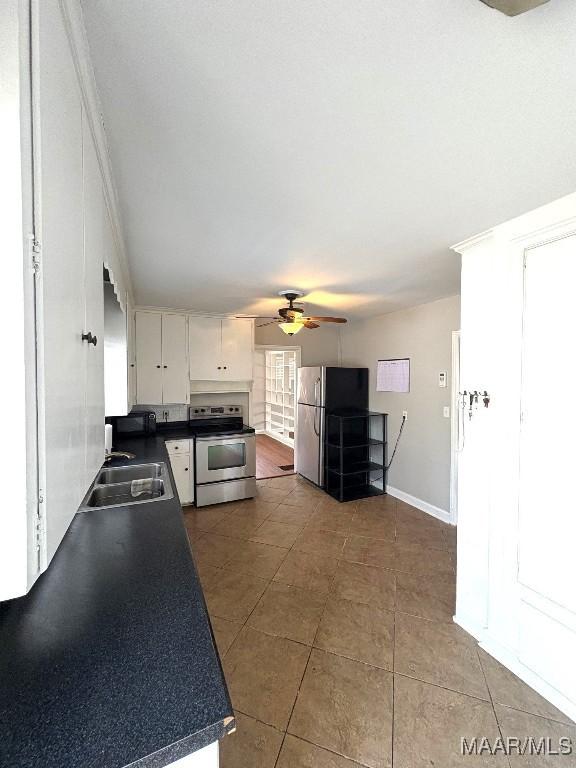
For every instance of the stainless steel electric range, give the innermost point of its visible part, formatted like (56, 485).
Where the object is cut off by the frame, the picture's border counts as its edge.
(225, 454)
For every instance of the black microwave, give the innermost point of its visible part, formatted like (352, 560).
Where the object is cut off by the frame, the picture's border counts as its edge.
(135, 424)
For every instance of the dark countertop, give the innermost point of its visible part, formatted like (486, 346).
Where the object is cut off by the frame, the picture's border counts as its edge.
(110, 659)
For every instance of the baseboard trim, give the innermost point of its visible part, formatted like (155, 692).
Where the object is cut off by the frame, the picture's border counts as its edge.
(440, 514)
(507, 658)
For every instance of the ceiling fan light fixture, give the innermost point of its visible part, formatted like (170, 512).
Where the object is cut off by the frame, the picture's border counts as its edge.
(291, 328)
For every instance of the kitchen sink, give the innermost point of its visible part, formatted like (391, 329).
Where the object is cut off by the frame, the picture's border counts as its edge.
(124, 493)
(132, 484)
(132, 472)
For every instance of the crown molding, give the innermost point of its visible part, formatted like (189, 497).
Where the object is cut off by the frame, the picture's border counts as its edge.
(80, 48)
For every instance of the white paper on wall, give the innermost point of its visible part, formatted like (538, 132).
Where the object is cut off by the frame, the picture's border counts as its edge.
(393, 375)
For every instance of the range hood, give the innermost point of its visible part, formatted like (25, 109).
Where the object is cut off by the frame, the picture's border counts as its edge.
(514, 7)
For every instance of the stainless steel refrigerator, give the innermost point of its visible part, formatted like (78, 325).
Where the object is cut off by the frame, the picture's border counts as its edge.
(321, 389)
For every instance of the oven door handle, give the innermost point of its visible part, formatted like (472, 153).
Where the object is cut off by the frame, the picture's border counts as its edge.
(227, 439)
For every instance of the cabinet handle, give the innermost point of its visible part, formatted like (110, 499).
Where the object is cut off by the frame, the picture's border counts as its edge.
(185, 469)
(165, 366)
(219, 367)
(225, 367)
(131, 365)
(158, 366)
(89, 338)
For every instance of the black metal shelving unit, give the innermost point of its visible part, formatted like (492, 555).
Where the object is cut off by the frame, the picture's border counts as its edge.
(356, 454)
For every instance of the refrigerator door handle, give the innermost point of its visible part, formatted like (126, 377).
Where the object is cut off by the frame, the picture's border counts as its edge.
(316, 405)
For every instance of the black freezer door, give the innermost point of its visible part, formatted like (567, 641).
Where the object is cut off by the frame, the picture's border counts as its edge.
(346, 388)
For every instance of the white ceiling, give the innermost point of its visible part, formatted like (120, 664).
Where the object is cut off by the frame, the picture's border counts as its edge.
(338, 146)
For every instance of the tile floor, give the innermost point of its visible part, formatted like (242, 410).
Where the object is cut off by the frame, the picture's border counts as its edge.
(334, 625)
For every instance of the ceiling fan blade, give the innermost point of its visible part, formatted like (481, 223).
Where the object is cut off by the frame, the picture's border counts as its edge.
(310, 324)
(254, 317)
(326, 319)
(271, 322)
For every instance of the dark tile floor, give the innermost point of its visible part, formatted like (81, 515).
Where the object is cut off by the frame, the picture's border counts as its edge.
(334, 624)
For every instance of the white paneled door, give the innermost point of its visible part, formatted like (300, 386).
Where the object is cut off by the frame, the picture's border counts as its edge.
(94, 220)
(59, 213)
(547, 519)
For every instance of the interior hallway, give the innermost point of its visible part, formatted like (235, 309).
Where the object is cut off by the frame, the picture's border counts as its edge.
(334, 624)
(271, 456)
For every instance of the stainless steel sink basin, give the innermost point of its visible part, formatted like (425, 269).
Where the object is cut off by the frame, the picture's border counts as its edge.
(132, 484)
(132, 472)
(124, 493)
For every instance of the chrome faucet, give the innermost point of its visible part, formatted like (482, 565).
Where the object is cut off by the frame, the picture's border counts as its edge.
(119, 455)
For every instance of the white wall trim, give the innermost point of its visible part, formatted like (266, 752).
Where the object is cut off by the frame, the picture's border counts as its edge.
(454, 426)
(440, 514)
(80, 49)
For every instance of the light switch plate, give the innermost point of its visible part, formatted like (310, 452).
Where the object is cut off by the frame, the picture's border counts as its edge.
(446, 411)
(442, 378)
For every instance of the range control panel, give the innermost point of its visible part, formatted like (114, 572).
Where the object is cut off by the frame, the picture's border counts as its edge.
(211, 411)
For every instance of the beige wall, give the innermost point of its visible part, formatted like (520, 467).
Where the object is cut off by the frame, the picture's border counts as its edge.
(424, 334)
(319, 346)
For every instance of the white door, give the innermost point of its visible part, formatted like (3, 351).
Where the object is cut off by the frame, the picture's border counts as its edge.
(175, 381)
(148, 358)
(94, 213)
(60, 297)
(180, 464)
(204, 348)
(547, 523)
(237, 349)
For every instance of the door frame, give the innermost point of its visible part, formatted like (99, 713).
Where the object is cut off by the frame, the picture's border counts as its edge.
(454, 426)
(281, 348)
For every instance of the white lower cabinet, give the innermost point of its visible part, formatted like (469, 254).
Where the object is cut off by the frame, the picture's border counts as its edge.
(181, 453)
(207, 757)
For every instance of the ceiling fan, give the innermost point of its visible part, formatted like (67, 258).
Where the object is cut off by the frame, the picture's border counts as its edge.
(291, 319)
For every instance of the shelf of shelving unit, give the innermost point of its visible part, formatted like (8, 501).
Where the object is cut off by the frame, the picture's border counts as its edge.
(280, 393)
(355, 454)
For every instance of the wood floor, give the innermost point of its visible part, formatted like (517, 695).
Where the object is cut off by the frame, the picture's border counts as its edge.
(270, 456)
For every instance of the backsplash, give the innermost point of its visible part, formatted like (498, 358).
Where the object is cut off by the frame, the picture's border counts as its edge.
(174, 412)
(179, 411)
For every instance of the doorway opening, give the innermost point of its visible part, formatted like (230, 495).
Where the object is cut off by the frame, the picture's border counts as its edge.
(274, 409)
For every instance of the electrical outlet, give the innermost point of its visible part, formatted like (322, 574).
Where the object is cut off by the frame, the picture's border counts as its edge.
(446, 411)
(405, 415)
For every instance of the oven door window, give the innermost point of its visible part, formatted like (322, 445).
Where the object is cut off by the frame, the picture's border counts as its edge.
(226, 456)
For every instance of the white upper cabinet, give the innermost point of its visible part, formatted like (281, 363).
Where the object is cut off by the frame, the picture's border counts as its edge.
(237, 349)
(161, 358)
(205, 337)
(148, 357)
(220, 350)
(175, 384)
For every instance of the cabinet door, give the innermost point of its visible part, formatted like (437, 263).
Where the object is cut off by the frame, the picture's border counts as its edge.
(204, 348)
(181, 471)
(148, 358)
(237, 349)
(94, 214)
(175, 381)
(60, 287)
